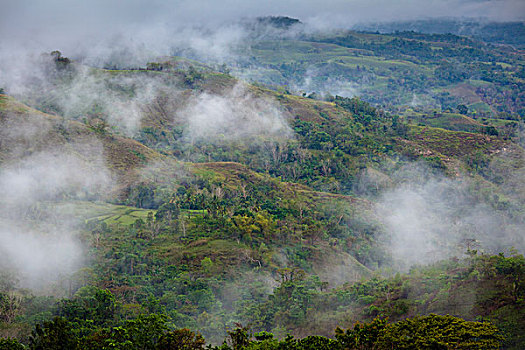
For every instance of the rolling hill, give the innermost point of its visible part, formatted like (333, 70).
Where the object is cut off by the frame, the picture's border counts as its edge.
(206, 200)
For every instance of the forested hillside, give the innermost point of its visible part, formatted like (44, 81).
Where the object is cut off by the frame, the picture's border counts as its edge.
(326, 190)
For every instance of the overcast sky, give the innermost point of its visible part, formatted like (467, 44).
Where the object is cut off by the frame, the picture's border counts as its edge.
(74, 25)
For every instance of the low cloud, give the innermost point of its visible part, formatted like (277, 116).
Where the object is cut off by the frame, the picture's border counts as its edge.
(37, 240)
(78, 92)
(120, 99)
(102, 31)
(427, 218)
(236, 115)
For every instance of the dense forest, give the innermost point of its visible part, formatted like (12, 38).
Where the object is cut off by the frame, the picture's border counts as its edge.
(321, 190)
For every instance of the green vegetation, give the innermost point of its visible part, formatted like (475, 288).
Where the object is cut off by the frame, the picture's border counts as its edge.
(96, 318)
(273, 240)
(395, 70)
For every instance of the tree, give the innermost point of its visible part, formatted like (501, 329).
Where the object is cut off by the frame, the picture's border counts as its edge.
(490, 130)
(10, 344)
(207, 265)
(317, 342)
(56, 54)
(56, 334)
(60, 61)
(513, 268)
(143, 196)
(462, 109)
(9, 307)
(168, 212)
(439, 332)
(432, 332)
(192, 76)
(181, 339)
(240, 337)
(142, 333)
(362, 336)
(90, 306)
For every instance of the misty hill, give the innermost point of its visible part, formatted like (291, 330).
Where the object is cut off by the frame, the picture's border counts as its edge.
(17, 115)
(278, 21)
(511, 33)
(342, 146)
(92, 142)
(397, 70)
(179, 193)
(160, 101)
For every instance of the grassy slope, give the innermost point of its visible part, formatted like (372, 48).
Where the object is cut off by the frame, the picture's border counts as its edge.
(455, 144)
(387, 80)
(228, 254)
(123, 156)
(450, 121)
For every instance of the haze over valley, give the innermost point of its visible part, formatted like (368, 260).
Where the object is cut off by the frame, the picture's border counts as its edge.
(193, 173)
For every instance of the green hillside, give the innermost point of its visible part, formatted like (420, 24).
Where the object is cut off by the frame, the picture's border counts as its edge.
(397, 70)
(240, 211)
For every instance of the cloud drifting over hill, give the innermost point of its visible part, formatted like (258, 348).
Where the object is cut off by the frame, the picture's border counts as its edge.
(100, 28)
(428, 218)
(236, 115)
(38, 240)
